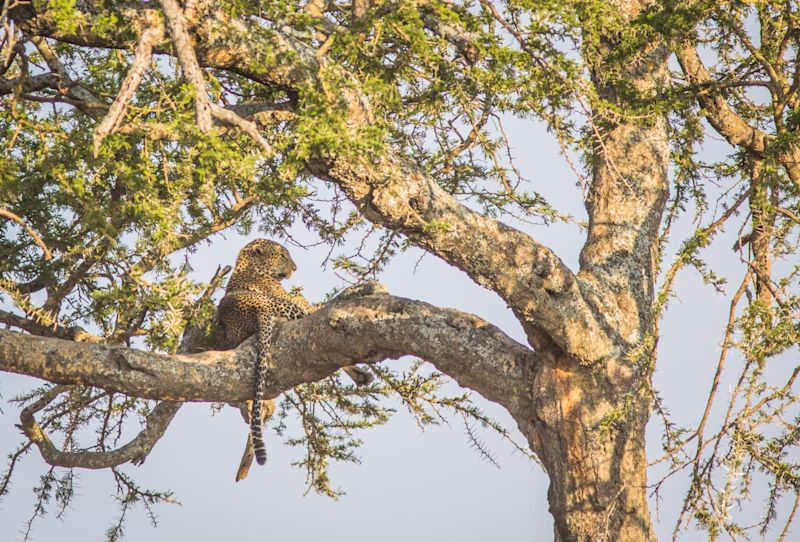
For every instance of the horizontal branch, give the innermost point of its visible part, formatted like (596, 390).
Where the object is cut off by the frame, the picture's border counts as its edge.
(344, 332)
(72, 333)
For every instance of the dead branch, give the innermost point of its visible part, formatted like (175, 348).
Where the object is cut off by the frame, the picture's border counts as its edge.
(141, 61)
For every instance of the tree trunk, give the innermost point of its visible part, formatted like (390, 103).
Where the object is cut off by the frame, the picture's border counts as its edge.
(592, 447)
(591, 433)
(586, 405)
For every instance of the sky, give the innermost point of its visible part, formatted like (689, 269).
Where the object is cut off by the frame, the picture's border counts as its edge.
(412, 484)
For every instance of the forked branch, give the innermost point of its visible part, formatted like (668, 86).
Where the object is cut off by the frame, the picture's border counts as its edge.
(726, 121)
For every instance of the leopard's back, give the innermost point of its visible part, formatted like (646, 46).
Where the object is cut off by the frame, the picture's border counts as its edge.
(254, 299)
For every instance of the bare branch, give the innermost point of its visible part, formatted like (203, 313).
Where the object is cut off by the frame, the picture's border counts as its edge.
(141, 61)
(191, 70)
(264, 113)
(136, 450)
(788, 214)
(188, 59)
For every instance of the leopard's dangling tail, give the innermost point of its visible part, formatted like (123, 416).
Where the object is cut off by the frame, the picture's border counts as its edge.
(263, 365)
(246, 408)
(259, 448)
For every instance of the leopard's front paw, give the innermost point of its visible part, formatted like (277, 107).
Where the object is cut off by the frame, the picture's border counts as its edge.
(369, 287)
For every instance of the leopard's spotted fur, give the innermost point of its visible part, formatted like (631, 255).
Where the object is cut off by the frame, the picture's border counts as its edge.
(254, 299)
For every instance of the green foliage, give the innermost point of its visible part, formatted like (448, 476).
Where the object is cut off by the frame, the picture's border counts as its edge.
(331, 413)
(63, 12)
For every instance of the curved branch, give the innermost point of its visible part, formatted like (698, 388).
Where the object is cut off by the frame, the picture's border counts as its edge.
(5, 213)
(344, 332)
(535, 283)
(136, 450)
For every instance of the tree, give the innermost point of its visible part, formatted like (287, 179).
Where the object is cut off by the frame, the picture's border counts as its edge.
(114, 162)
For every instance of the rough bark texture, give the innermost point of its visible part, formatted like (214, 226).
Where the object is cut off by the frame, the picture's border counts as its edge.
(580, 399)
(592, 435)
(360, 330)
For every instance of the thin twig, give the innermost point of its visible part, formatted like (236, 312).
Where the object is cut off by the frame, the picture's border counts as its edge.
(36, 239)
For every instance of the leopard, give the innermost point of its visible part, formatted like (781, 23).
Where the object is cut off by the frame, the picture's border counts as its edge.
(254, 300)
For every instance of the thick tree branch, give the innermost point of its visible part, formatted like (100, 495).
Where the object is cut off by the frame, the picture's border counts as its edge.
(717, 111)
(141, 61)
(344, 332)
(535, 283)
(630, 180)
(176, 22)
(31, 83)
(66, 84)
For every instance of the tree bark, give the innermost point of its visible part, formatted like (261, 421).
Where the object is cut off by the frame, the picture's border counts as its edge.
(591, 443)
(592, 437)
(344, 332)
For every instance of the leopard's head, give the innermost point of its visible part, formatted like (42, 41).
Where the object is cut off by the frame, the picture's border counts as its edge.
(263, 257)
